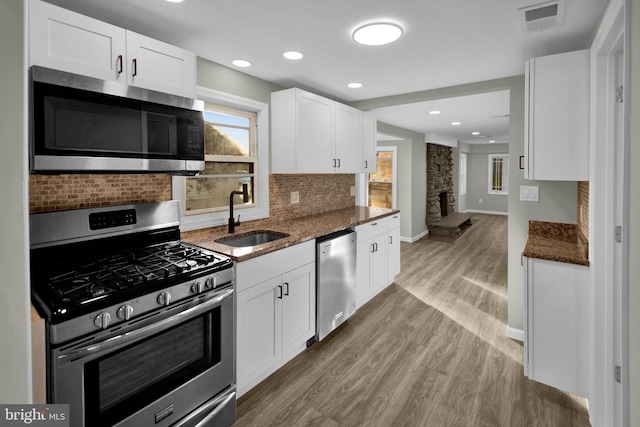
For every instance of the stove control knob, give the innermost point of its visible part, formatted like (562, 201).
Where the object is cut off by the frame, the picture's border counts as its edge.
(102, 320)
(164, 298)
(197, 287)
(211, 282)
(125, 312)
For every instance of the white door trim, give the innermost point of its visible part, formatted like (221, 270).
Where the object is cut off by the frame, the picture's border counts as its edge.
(608, 400)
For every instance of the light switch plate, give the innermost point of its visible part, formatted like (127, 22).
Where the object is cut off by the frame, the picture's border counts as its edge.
(295, 197)
(529, 193)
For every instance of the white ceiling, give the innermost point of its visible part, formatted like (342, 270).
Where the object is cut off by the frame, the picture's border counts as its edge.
(445, 43)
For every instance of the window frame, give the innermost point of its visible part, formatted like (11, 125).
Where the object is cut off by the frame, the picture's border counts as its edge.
(505, 174)
(260, 208)
(462, 175)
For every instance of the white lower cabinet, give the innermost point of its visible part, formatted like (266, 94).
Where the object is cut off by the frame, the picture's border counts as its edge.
(377, 257)
(276, 298)
(556, 325)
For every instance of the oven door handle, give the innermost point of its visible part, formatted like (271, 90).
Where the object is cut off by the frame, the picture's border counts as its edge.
(121, 340)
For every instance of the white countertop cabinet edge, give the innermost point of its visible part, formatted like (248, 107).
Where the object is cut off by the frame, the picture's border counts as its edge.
(556, 324)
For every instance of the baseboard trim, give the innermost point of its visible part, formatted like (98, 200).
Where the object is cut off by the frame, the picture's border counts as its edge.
(515, 334)
(485, 212)
(414, 238)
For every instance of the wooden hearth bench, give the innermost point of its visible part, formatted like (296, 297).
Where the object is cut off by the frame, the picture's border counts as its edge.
(450, 224)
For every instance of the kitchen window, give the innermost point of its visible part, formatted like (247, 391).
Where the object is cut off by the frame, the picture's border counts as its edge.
(463, 174)
(236, 153)
(499, 174)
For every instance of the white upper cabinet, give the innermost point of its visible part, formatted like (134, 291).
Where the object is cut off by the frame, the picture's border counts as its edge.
(313, 134)
(67, 41)
(557, 117)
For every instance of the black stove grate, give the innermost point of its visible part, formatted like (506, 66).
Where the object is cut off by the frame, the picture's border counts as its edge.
(82, 282)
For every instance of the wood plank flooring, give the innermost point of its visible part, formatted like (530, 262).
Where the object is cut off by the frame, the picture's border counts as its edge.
(430, 350)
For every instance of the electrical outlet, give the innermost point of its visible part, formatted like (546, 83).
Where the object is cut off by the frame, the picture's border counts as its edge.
(479, 200)
(529, 193)
(352, 190)
(295, 197)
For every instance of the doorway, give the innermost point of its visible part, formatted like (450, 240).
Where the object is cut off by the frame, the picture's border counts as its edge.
(382, 185)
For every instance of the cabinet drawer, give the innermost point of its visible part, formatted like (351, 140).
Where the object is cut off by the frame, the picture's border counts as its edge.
(371, 229)
(394, 221)
(257, 270)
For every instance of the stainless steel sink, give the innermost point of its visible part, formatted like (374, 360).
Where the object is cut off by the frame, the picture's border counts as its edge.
(251, 239)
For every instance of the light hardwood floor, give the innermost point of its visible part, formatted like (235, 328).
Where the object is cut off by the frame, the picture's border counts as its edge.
(430, 350)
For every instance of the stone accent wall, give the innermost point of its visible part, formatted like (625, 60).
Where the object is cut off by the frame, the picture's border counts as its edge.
(318, 193)
(439, 179)
(583, 208)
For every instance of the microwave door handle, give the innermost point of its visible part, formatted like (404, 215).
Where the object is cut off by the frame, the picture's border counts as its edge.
(145, 131)
(137, 334)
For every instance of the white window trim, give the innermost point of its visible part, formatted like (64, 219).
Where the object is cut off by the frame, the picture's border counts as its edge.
(462, 185)
(505, 175)
(261, 208)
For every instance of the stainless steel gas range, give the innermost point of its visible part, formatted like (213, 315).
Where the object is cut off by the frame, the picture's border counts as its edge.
(140, 325)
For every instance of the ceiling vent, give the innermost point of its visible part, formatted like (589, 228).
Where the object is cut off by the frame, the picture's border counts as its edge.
(540, 17)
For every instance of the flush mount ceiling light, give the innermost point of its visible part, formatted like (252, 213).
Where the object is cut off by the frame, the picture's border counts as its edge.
(377, 33)
(241, 63)
(293, 55)
(354, 85)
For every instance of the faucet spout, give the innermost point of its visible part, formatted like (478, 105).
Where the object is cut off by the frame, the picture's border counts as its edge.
(245, 199)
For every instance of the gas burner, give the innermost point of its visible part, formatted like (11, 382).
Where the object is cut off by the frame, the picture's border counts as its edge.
(87, 281)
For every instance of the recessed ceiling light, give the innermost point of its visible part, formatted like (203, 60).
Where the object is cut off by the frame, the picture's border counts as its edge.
(456, 123)
(492, 141)
(293, 55)
(377, 33)
(354, 85)
(241, 63)
(174, 1)
(475, 133)
(434, 112)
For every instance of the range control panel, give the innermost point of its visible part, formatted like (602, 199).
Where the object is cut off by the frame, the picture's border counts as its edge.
(111, 219)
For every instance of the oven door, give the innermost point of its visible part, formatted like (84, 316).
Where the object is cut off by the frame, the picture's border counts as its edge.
(154, 371)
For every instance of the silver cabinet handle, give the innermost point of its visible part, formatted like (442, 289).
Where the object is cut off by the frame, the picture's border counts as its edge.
(338, 162)
(391, 240)
(373, 248)
(287, 287)
(366, 164)
(135, 67)
(120, 69)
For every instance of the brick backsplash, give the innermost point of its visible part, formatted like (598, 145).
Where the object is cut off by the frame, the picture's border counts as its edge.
(583, 208)
(48, 193)
(318, 193)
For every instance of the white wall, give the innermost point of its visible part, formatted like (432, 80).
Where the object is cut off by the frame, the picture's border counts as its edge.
(412, 179)
(15, 370)
(478, 178)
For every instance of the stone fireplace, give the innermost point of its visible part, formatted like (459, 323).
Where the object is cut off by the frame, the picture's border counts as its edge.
(440, 200)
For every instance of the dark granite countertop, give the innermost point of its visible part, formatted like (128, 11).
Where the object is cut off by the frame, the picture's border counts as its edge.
(299, 230)
(556, 242)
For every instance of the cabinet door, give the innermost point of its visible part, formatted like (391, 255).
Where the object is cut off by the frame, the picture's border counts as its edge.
(393, 253)
(378, 263)
(369, 142)
(348, 139)
(557, 132)
(259, 317)
(363, 273)
(314, 133)
(67, 41)
(156, 65)
(298, 307)
(557, 327)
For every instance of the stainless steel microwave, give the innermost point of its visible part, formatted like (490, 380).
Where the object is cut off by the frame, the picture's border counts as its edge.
(85, 125)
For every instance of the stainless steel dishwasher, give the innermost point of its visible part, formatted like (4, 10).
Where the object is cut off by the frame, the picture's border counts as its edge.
(335, 280)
